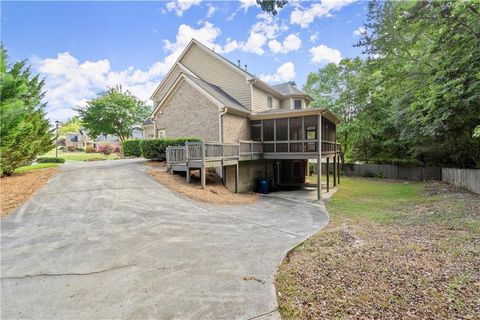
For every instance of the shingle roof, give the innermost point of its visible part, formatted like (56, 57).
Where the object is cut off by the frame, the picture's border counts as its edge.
(218, 93)
(147, 122)
(288, 89)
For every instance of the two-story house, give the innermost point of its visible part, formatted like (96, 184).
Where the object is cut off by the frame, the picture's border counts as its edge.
(250, 129)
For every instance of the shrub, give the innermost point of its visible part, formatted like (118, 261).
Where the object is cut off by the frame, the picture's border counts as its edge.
(155, 148)
(131, 148)
(116, 149)
(80, 149)
(90, 149)
(50, 160)
(71, 148)
(106, 149)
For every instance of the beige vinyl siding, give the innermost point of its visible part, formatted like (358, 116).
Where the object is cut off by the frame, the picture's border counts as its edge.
(216, 72)
(286, 104)
(259, 102)
(167, 84)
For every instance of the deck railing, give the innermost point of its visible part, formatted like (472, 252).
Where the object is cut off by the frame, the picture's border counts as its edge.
(244, 150)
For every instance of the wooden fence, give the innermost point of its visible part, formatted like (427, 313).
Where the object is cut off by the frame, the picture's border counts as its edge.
(465, 178)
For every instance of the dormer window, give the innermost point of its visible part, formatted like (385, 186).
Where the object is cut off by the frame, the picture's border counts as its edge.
(269, 102)
(297, 104)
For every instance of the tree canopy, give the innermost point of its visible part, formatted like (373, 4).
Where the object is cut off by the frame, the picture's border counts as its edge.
(25, 131)
(416, 95)
(114, 112)
(71, 125)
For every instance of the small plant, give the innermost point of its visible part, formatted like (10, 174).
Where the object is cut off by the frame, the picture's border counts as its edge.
(90, 149)
(71, 148)
(116, 149)
(50, 160)
(106, 149)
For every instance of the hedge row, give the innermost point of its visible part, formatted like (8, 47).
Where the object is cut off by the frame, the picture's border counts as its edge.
(155, 148)
(131, 148)
(50, 160)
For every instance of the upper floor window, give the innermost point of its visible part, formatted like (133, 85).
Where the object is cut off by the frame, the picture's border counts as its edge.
(269, 102)
(297, 104)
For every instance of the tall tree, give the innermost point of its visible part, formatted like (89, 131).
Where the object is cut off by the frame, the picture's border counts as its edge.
(114, 112)
(25, 131)
(271, 6)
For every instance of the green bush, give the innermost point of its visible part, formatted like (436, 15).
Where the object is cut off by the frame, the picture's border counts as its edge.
(155, 148)
(131, 148)
(50, 160)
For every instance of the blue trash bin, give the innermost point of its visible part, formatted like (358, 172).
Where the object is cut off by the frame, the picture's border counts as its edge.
(264, 185)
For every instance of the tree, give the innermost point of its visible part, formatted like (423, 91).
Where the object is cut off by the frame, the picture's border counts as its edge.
(25, 131)
(114, 112)
(71, 125)
(272, 6)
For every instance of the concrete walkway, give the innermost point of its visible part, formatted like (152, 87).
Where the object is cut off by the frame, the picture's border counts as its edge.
(104, 240)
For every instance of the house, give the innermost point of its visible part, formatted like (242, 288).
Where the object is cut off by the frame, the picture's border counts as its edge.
(81, 139)
(250, 129)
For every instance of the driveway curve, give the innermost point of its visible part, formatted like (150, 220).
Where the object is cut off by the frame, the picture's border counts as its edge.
(104, 240)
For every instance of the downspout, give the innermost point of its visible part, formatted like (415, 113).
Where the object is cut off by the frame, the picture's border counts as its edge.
(220, 127)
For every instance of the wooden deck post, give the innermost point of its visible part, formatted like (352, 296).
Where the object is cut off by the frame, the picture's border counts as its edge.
(335, 171)
(319, 160)
(328, 174)
(188, 174)
(338, 169)
(236, 178)
(203, 176)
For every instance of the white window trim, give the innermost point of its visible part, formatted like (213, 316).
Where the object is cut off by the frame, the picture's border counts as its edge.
(293, 104)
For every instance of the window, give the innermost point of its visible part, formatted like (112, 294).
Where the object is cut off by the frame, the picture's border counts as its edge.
(161, 133)
(297, 104)
(269, 102)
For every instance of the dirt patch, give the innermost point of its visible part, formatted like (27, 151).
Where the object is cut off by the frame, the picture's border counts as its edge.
(214, 192)
(424, 264)
(19, 187)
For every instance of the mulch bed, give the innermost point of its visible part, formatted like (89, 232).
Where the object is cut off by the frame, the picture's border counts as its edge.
(19, 187)
(214, 192)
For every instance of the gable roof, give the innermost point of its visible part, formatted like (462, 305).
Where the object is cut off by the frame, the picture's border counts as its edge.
(288, 89)
(218, 94)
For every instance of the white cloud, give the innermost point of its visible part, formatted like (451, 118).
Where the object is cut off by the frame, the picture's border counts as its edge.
(285, 72)
(323, 53)
(180, 6)
(314, 37)
(70, 82)
(211, 10)
(304, 17)
(290, 43)
(359, 31)
(254, 44)
(245, 4)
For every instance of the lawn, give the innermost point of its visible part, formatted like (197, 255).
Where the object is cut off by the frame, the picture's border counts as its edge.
(391, 250)
(36, 167)
(82, 156)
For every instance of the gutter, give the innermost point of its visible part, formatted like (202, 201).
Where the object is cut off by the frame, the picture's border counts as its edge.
(220, 127)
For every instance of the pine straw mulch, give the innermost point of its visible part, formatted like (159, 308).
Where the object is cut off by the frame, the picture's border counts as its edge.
(214, 192)
(424, 265)
(19, 187)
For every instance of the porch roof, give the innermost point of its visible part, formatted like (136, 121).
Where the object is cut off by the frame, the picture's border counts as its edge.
(289, 113)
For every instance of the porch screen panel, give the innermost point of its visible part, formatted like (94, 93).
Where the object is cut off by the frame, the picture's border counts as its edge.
(256, 129)
(311, 127)
(268, 132)
(282, 129)
(296, 132)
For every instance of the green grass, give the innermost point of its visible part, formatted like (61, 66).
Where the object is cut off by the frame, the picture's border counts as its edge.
(373, 199)
(81, 156)
(36, 167)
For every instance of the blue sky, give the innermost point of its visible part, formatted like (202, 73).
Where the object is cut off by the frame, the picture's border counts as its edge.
(81, 48)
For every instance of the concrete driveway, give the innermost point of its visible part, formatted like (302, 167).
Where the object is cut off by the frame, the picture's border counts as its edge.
(103, 240)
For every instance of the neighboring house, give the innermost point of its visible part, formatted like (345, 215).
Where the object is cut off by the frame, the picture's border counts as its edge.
(250, 129)
(81, 139)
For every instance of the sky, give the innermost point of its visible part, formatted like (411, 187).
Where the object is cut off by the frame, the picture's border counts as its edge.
(83, 48)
